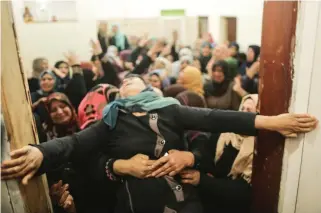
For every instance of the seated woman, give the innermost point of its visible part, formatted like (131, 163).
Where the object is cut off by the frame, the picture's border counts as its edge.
(191, 79)
(38, 66)
(225, 183)
(219, 91)
(143, 122)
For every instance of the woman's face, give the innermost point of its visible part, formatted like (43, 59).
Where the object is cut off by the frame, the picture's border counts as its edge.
(250, 55)
(47, 83)
(60, 113)
(64, 68)
(131, 87)
(206, 51)
(232, 51)
(44, 65)
(218, 75)
(248, 106)
(155, 81)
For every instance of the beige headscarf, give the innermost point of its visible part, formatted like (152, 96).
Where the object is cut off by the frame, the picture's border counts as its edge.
(242, 165)
(192, 80)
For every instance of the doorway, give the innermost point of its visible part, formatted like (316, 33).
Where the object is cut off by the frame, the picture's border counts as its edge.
(228, 29)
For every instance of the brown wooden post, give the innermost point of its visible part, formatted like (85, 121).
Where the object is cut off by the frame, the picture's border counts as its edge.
(15, 103)
(276, 71)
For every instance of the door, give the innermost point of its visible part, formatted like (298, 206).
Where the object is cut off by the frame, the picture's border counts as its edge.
(231, 28)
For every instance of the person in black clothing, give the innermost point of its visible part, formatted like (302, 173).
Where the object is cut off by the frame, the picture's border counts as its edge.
(38, 66)
(206, 56)
(250, 80)
(143, 122)
(224, 180)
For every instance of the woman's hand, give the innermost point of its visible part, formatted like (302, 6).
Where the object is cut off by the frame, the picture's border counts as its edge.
(60, 195)
(95, 47)
(72, 58)
(287, 124)
(173, 163)
(138, 166)
(24, 163)
(190, 176)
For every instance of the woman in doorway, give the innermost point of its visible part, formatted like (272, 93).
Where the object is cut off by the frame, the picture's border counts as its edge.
(219, 91)
(143, 122)
(225, 181)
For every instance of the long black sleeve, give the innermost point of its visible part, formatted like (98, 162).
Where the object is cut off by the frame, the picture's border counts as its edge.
(134, 55)
(76, 89)
(227, 193)
(215, 121)
(143, 65)
(73, 148)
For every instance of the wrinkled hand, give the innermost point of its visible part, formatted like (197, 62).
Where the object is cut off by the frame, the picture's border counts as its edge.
(173, 163)
(60, 195)
(190, 176)
(24, 163)
(95, 47)
(290, 125)
(138, 166)
(72, 58)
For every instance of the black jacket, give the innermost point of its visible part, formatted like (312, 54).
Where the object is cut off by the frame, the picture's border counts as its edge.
(132, 135)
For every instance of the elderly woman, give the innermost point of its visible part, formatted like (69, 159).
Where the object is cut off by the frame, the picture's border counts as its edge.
(143, 122)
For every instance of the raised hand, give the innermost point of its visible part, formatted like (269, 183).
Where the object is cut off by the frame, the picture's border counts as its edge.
(72, 58)
(95, 47)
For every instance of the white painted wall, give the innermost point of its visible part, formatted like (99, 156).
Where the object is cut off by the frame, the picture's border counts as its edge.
(52, 39)
(300, 190)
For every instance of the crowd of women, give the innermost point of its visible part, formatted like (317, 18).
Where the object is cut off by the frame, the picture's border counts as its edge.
(138, 128)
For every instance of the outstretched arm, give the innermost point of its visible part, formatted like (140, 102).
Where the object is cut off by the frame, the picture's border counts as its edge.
(219, 121)
(28, 160)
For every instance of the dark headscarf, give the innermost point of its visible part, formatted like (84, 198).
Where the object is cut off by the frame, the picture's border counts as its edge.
(237, 47)
(40, 91)
(256, 49)
(213, 88)
(62, 83)
(56, 130)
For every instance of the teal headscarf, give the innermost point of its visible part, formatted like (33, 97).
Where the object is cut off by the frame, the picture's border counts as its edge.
(120, 39)
(145, 101)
